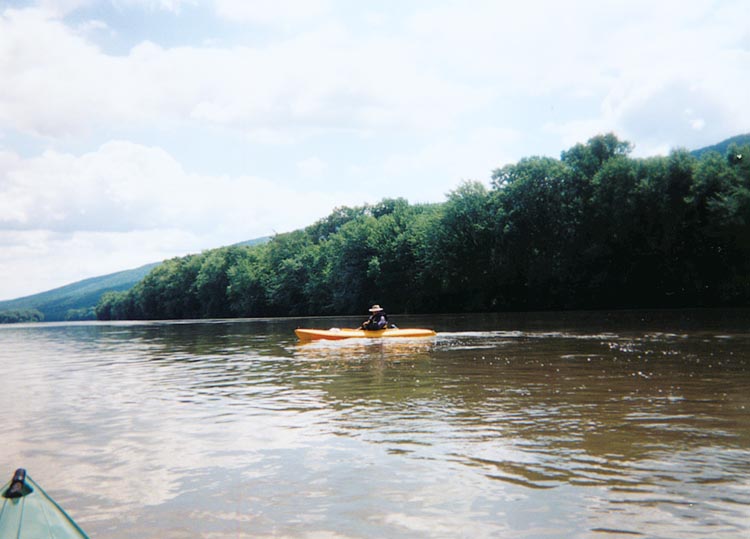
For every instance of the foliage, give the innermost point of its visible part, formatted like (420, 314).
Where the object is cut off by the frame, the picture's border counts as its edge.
(722, 148)
(14, 316)
(593, 229)
(84, 313)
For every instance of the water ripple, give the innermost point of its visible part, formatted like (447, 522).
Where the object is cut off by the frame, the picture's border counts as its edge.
(237, 424)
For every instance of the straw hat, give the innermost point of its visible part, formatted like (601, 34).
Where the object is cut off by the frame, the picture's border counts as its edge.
(375, 308)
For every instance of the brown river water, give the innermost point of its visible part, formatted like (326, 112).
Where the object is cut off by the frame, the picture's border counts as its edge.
(585, 425)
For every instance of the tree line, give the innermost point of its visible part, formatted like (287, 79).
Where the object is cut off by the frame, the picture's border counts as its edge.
(15, 316)
(594, 229)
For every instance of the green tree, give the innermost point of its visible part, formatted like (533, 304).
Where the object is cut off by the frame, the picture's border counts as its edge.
(15, 316)
(729, 210)
(534, 229)
(585, 160)
(168, 291)
(247, 288)
(464, 243)
(212, 281)
(287, 273)
(594, 229)
(351, 252)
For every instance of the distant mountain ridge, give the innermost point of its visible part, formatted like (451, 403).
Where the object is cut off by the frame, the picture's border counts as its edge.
(76, 301)
(723, 146)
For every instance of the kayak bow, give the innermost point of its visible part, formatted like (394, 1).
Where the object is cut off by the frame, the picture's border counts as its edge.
(27, 512)
(337, 334)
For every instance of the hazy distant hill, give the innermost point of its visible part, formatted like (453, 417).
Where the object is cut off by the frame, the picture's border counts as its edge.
(723, 146)
(57, 304)
(250, 243)
(76, 301)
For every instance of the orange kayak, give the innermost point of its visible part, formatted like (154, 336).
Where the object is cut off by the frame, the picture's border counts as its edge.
(336, 334)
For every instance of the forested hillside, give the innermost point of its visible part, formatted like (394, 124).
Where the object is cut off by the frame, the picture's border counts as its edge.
(723, 146)
(593, 229)
(75, 301)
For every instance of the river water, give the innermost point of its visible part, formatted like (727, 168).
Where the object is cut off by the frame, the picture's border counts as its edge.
(585, 425)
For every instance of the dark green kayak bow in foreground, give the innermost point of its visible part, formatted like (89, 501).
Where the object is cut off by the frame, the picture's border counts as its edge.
(27, 512)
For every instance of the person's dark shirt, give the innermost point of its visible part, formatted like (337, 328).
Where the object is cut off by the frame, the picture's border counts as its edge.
(377, 320)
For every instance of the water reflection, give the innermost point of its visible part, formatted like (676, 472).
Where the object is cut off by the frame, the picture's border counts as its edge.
(536, 429)
(391, 350)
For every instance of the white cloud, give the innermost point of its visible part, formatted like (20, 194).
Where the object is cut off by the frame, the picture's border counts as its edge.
(125, 186)
(450, 161)
(126, 205)
(63, 7)
(626, 56)
(59, 85)
(312, 167)
(436, 66)
(412, 97)
(36, 260)
(167, 5)
(659, 116)
(278, 11)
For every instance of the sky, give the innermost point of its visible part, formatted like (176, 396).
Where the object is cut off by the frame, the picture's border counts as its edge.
(132, 131)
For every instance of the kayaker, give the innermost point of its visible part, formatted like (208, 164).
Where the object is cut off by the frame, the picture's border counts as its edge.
(378, 319)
